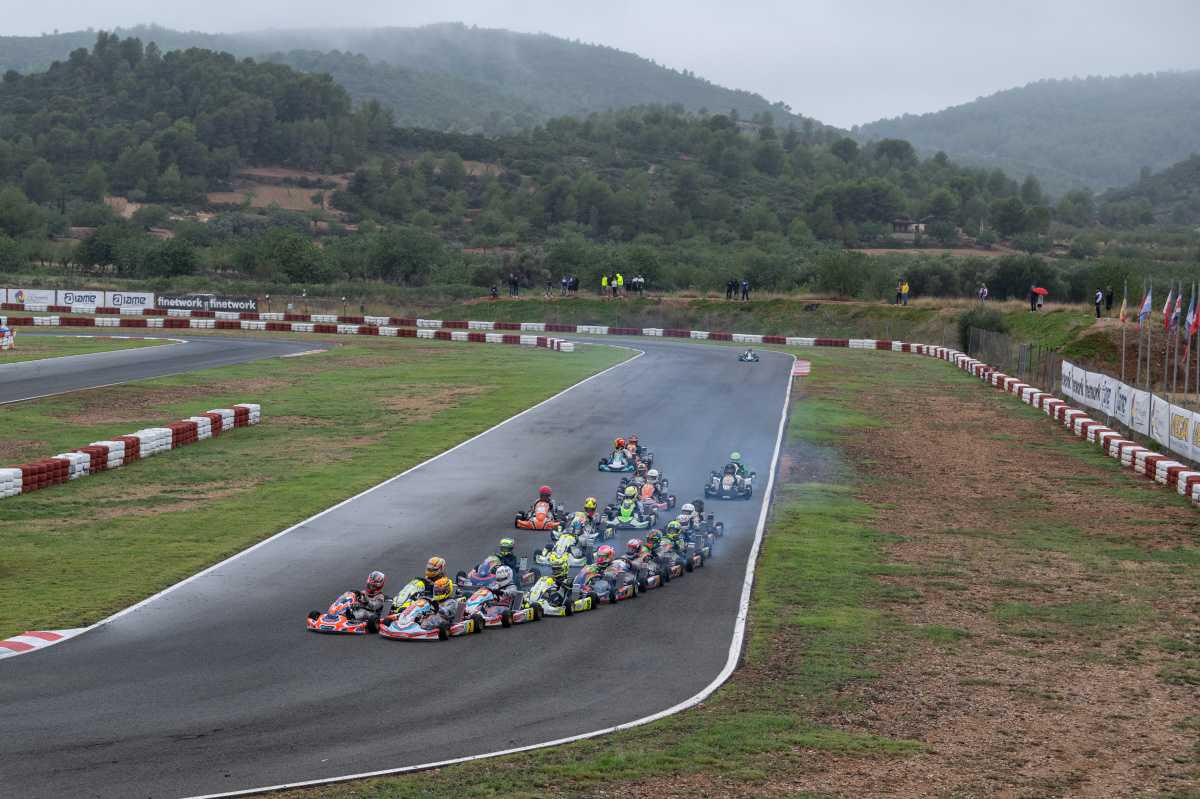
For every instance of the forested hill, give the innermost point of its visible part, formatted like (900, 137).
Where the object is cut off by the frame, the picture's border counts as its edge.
(1172, 196)
(127, 118)
(451, 76)
(1093, 132)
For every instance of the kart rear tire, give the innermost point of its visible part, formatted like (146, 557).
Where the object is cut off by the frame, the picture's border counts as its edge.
(314, 615)
(506, 618)
(372, 626)
(569, 607)
(443, 631)
(536, 612)
(479, 624)
(688, 565)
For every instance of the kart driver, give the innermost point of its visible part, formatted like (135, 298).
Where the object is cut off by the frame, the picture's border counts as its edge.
(603, 559)
(589, 508)
(506, 590)
(506, 552)
(738, 468)
(435, 569)
(441, 596)
(546, 495)
(674, 534)
(619, 449)
(370, 601)
(749, 355)
(560, 572)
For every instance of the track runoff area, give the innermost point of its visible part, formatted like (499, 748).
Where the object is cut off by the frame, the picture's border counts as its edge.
(216, 687)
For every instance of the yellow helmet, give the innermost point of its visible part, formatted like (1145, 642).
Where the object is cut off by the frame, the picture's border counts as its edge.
(589, 503)
(443, 589)
(435, 568)
(560, 566)
(630, 492)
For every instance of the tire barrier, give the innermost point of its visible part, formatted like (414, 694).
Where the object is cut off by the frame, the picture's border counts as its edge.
(428, 329)
(103, 455)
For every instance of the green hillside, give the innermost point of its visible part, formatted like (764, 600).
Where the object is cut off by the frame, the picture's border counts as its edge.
(1171, 196)
(1096, 132)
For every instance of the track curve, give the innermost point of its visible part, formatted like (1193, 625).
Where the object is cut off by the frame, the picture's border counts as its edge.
(49, 376)
(215, 685)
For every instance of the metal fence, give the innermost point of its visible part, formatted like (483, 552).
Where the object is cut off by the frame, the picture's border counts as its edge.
(1036, 365)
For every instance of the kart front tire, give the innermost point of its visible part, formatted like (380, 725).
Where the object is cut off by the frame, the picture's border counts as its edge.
(314, 615)
(689, 565)
(536, 613)
(506, 619)
(479, 625)
(443, 631)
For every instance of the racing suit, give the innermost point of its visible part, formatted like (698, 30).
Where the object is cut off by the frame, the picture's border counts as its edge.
(556, 510)
(367, 606)
(510, 560)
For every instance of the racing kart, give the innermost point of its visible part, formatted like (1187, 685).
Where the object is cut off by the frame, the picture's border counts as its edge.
(655, 498)
(501, 609)
(578, 554)
(479, 577)
(618, 462)
(674, 562)
(629, 516)
(338, 619)
(540, 517)
(748, 357)
(413, 617)
(615, 584)
(555, 602)
(646, 570)
(728, 485)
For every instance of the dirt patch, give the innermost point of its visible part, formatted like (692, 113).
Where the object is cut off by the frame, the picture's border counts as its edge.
(1041, 675)
(14, 450)
(136, 403)
(431, 401)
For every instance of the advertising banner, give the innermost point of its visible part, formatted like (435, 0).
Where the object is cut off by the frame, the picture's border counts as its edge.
(1181, 431)
(32, 296)
(1108, 395)
(129, 299)
(89, 297)
(206, 302)
(1195, 442)
(1122, 403)
(1160, 421)
(1139, 411)
(3, 295)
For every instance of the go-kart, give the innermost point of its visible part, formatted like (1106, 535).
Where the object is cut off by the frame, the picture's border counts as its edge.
(413, 617)
(673, 562)
(701, 542)
(608, 587)
(540, 517)
(554, 601)
(647, 571)
(482, 577)
(653, 497)
(619, 461)
(500, 609)
(727, 485)
(578, 554)
(749, 356)
(629, 515)
(338, 619)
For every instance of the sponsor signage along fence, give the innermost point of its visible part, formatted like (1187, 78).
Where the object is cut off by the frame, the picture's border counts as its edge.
(84, 298)
(1174, 427)
(206, 302)
(33, 296)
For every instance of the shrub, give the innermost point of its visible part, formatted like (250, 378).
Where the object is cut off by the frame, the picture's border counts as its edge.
(980, 318)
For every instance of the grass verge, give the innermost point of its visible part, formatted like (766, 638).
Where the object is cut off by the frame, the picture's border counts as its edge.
(371, 408)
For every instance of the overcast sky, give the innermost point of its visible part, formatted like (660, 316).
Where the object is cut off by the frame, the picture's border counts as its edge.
(844, 62)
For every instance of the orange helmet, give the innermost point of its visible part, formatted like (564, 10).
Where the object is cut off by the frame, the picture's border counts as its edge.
(443, 589)
(435, 568)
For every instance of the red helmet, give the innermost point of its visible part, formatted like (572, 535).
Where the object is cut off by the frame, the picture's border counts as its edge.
(375, 582)
(633, 547)
(604, 556)
(544, 492)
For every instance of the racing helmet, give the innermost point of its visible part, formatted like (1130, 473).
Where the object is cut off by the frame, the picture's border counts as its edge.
(577, 523)
(736, 457)
(489, 565)
(630, 492)
(375, 582)
(504, 577)
(506, 547)
(435, 568)
(544, 492)
(652, 475)
(633, 439)
(618, 443)
(604, 556)
(589, 503)
(688, 509)
(653, 538)
(642, 467)
(560, 566)
(674, 528)
(633, 547)
(443, 589)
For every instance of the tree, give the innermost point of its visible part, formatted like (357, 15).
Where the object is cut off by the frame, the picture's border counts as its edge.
(95, 183)
(943, 231)
(769, 157)
(172, 258)
(1031, 191)
(897, 152)
(19, 218)
(943, 205)
(39, 181)
(453, 172)
(845, 149)
(406, 255)
(1008, 216)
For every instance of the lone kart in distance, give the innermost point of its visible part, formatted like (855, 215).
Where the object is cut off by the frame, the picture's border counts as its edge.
(729, 485)
(749, 356)
(541, 517)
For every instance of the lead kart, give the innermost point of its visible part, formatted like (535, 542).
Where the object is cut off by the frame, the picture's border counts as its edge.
(339, 619)
(502, 609)
(727, 484)
(555, 600)
(618, 461)
(540, 517)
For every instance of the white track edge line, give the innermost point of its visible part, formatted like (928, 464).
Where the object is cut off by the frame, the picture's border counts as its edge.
(332, 508)
(735, 645)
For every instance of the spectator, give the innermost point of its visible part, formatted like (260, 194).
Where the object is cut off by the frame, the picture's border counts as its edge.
(513, 285)
(1108, 300)
(562, 286)
(904, 293)
(574, 287)
(603, 284)
(730, 288)
(1099, 300)
(1033, 299)
(620, 288)
(549, 288)
(983, 293)
(745, 289)
(495, 292)
(641, 284)
(899, 290)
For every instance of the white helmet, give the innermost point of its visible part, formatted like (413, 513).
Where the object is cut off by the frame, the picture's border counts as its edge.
(504, 577)
(652, 475)
(688, 509)
(684, 519)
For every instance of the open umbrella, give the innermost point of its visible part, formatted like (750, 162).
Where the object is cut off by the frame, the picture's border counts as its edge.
(1040, 290)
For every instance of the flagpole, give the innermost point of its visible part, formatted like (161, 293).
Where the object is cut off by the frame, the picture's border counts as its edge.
(1124, 299)
(1187, 362)
(1149, 341)
(1176, 327)
(1138, 379)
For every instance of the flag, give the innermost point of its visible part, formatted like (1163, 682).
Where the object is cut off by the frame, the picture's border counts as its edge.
(1122, 315)
(1178, 309)
(1190, 319)
(1167, 309)
(1144, 310)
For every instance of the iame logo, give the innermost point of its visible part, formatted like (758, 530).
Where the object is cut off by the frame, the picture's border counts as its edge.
(19, 296)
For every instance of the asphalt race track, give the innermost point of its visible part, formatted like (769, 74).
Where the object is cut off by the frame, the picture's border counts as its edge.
(31, 379)
(216, 686)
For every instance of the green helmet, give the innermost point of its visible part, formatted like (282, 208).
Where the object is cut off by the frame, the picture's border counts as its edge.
(630, 492)
(560, 567)
(506, 546)
(736, 457)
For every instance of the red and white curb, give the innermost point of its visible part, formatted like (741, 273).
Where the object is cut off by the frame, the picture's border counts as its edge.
(33, 640)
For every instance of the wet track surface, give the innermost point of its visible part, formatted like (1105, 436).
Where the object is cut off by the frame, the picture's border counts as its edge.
(31, 379)
(217, 686)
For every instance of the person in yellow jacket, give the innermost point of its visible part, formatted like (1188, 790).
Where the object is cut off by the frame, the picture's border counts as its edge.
(620, 287)
(604, 284)
(904, 293)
